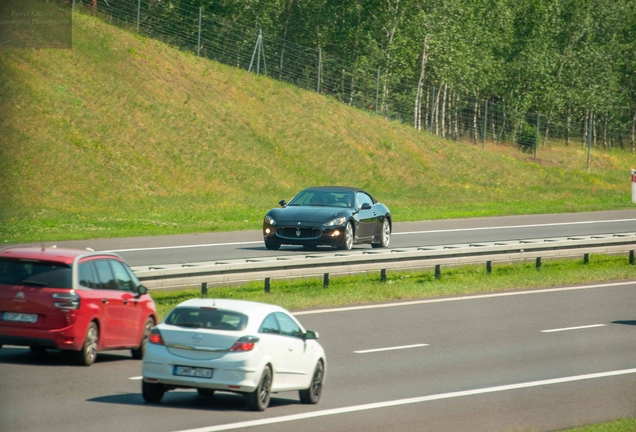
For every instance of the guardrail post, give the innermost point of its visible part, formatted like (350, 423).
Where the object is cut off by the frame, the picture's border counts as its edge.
(631, 257)
(538, 263)
(383, 275)
(204, 289)
(488, 267)
(266, 285)
(325, 280)
(586, 258)
(438, 271)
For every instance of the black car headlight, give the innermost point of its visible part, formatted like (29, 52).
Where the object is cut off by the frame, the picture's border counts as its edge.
(270, 220)
(336, 222)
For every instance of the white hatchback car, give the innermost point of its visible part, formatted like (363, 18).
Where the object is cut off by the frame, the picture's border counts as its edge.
(232, 345)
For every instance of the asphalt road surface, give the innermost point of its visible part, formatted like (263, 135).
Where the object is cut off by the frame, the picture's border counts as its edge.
(140, 251)
(533, 360)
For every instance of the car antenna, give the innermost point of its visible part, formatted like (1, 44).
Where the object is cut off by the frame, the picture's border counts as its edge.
(43, 246)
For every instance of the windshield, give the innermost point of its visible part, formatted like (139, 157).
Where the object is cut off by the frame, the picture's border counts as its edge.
(35, 273)
(207, 318)
(323, 198)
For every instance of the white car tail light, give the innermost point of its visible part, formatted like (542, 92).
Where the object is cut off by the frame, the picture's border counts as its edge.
(246, 343)
(155, 337)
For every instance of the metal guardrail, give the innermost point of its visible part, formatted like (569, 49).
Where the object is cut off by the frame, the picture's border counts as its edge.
(364, 260)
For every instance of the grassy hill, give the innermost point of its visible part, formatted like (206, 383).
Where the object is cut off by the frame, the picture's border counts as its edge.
(124, 136)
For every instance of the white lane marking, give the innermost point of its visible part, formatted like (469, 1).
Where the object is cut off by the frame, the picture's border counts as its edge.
(136, 378)
(399, 402)
(389, 348)
(452, 299)
(184, 246)
(573, 328)
(395, 233)
(516, 226)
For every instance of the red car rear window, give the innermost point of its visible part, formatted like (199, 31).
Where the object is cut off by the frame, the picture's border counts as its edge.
(35, 273)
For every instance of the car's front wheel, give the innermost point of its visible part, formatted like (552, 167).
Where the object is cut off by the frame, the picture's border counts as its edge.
(312, 394)
(152, 393)
(347, 243)
(258, 400)
(385, 238)
(87, 355)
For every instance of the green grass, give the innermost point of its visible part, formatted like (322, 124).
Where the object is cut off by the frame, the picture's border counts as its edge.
(309, 293)
(621, 425)
(125, 136)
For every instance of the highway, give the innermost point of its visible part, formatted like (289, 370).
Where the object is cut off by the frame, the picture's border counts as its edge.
(529, 360)
(248, 244)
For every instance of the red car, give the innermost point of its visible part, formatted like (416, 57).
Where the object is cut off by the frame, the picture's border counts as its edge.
(75, 300)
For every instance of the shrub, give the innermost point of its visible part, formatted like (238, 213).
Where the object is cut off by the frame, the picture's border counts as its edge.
(528, 136)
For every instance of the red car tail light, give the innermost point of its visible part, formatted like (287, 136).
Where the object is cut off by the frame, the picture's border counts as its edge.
(246, 343)
(155, 337)
(66, 300)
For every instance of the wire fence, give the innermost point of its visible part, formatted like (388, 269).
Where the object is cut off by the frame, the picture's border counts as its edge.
(437, 109)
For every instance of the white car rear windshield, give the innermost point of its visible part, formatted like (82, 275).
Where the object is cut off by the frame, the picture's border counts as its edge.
(207, 318)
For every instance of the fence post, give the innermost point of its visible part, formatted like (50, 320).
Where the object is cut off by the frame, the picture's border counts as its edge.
(536, 139)
(319, 68)
(589, 143)
(257, 53)
(199, 40)
(325, 280)
(483, 144)
(138, 13)
(377, 90)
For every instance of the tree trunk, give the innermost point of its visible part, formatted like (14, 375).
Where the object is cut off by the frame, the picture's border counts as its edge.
(444, 112)
(436, 112)
(420, 84)
(475, 108)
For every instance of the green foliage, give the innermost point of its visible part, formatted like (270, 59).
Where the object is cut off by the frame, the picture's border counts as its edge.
(123, 136)
(528, 136)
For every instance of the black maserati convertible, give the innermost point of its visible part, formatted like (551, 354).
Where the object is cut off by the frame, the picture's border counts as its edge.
(334, 216)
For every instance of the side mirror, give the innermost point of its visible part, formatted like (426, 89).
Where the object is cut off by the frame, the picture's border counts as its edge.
(282, 203)
(366, 206)
(311, 335)
(141, 290)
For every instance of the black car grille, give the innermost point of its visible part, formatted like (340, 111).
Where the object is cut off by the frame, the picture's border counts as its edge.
(298, 233)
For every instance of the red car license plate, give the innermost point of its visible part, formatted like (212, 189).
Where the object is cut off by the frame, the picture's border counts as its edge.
(19, 317)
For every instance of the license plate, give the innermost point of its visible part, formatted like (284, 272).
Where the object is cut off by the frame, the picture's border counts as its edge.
(19, 317)
(193, 372)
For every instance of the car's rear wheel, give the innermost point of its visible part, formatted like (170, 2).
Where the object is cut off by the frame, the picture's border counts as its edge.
(205, 392)
(152, 393)
(385, 238)
(258, 400)
(87, 355)
(271, 245)
(138, 353)
(312, 394)
(347, 243)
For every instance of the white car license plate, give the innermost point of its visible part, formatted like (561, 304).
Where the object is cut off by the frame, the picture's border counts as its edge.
(19, 317)
(193, 372)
